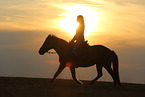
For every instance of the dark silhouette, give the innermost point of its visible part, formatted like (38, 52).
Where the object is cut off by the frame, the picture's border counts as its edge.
(97, 54)
(78, 39)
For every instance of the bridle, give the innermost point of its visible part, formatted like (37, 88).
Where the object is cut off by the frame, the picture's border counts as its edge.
(51, 52)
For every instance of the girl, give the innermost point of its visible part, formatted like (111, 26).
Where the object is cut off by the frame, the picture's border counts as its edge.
(79, 36)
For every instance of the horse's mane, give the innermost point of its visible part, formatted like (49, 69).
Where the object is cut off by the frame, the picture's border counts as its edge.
(55, 37)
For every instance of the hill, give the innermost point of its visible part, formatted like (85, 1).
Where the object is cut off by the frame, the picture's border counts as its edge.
(40, 87)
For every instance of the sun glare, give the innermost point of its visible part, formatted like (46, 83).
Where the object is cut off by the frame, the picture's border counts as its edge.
(69, 24)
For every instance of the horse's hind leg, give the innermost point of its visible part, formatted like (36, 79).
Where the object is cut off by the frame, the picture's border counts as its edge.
(110, 71)
(99, 70)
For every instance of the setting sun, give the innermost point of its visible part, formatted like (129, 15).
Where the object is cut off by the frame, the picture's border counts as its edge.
(69, 24)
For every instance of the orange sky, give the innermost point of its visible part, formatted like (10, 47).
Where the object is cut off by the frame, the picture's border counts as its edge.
(117, 24)
(105, 19)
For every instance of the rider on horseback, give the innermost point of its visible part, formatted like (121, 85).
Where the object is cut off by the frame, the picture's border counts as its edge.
(79, 36)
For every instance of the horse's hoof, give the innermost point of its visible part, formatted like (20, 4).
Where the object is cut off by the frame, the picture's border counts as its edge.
(118, 85)
(51, 81)
(92, 82)
(80, 83)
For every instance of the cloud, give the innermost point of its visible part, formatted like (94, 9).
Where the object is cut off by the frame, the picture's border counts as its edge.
(124, 23)
(21, 39)
(125, 2)
(27, 14)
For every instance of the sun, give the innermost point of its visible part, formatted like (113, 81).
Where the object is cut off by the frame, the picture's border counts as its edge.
(69, 24)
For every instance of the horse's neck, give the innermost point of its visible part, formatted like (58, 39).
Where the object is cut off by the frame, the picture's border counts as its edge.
(59, 46)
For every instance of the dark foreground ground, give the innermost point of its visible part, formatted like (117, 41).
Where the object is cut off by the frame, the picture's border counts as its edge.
(36, 87)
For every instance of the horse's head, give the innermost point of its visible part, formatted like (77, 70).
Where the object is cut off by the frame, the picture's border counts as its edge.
(47, 45)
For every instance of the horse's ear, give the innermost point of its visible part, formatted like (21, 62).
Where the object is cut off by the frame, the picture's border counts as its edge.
(49, 35)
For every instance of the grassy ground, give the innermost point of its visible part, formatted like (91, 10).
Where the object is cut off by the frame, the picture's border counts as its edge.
(37, 87)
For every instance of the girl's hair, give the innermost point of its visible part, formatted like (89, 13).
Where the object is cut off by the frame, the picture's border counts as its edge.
(80, 18)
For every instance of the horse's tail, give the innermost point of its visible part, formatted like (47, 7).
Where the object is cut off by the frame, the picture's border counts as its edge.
(115, 67)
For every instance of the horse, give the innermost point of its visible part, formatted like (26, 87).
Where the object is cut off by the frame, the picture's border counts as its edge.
(98, 55)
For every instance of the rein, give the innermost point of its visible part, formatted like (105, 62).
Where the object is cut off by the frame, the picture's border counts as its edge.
(51, 52)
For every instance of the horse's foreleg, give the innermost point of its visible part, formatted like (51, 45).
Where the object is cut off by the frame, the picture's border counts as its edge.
(99, 69)
(60, 68)
(73, 72)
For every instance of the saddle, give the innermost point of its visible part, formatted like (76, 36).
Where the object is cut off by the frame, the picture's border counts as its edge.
(82, 51)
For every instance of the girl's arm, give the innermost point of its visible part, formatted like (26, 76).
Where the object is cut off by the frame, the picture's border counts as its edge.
(74, 38)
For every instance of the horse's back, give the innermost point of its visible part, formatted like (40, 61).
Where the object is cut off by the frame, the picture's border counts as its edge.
(100, 49)
(100, 52)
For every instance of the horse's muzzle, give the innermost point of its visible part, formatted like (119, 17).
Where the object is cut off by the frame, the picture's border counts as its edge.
(40, 53)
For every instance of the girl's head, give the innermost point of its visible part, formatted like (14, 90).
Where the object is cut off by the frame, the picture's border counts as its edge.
(80, 19)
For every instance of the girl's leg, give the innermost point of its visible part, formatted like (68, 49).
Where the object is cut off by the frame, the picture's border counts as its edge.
(75, 47)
